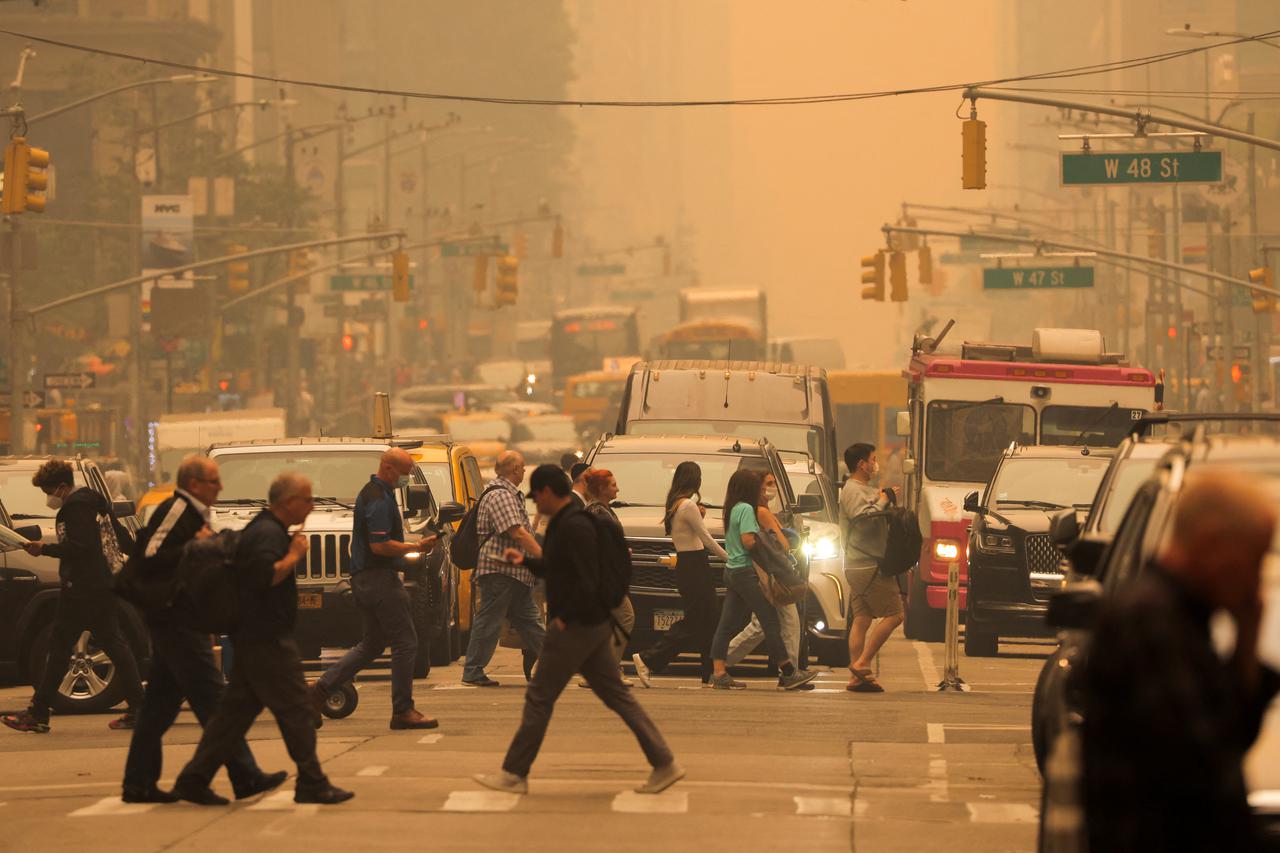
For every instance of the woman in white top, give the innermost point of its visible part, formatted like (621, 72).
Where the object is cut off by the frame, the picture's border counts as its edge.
(695, 579)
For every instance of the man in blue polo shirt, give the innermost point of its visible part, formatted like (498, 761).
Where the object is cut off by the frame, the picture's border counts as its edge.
(378, 552)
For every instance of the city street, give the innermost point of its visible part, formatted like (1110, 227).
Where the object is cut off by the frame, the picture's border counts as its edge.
(824, 771)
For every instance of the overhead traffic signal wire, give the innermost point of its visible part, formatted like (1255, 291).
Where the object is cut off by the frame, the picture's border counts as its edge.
(1077, 71)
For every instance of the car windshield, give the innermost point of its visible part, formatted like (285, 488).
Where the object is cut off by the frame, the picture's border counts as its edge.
(23, 500)
(337, 474)
(793, 438)
(1129, 475)
(479, 429)
(1065, 482)
(546, 429)
(964, 438)
(645, 478)
(1099, 426)
(439, 479)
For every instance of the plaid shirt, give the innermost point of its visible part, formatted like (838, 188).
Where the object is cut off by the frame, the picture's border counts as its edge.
(501, 508)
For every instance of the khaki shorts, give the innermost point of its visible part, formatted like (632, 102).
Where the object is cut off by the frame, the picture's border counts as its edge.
(872, 594)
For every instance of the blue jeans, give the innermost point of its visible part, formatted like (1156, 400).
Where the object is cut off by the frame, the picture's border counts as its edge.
(501, 596)
(742, 597)
(384, 607)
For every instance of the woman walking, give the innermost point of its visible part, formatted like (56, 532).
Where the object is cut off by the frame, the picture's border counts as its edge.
(695, 581)
(743, 595)
(602, 488)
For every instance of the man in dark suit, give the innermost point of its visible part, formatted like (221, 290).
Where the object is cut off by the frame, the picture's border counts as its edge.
(182, 663)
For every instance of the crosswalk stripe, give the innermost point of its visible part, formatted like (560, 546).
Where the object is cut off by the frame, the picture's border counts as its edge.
(1001, 813)
(375, 770)
(824, 806)
(430, 738)
(282, 801)
(668, 802)
(112, 806)
(481, 801)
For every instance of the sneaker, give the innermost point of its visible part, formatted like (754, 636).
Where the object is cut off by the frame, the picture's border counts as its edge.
(26, 722)
(508, 783)
(126, 721)
(661, 779)
(726, 682)
(482, 681)
(796, 680)
(642, 671)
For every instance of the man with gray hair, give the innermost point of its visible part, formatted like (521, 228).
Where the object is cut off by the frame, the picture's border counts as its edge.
(268, 668)
(506, 589)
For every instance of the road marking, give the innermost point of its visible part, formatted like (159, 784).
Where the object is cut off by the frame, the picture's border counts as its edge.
(481, 801)
(927, 669)
(452, 687)
(113, 807)
(938, 781)
(824, 806)
(1001, 813)
(937, 733)
(430, 738)
(668, 802)
(375, 770)
(282, 801)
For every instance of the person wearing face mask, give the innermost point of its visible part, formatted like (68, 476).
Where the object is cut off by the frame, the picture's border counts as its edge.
(89, 549)
(378, 554)
(872, 596)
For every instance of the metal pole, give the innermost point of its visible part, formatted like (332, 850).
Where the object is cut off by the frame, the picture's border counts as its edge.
(951, 679)
(17, 368)
(1181, 342)
(393, 344)
(291, 299)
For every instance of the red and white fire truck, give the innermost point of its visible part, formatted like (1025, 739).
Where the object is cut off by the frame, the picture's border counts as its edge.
(965, 409)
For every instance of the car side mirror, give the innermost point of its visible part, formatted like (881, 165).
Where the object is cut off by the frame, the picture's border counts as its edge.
(903, 424)
(123, 509)
(972, 503)
(451, 512)
(29, 531)
(1075, 607)
(418, 497)
(1064, 528)
(808, 503)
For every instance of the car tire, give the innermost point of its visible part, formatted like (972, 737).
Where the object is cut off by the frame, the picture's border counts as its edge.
(922, 622)
(96, 690)
(420, 611)
(979, 643)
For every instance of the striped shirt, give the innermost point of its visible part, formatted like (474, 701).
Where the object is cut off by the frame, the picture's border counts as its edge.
(501, 508)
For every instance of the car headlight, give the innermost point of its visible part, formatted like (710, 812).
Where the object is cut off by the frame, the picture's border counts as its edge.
(947, 550)
(994, 543)
(531, 378)
(822, 548)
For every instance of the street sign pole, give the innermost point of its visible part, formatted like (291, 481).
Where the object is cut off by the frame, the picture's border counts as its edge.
(15, 347)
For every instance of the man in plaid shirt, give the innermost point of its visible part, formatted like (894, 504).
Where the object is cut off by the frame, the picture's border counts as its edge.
(505, 590)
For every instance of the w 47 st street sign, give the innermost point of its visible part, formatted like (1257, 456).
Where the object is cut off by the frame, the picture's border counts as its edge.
(1170, 167)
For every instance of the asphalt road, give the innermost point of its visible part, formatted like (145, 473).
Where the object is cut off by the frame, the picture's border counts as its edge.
(823, 770)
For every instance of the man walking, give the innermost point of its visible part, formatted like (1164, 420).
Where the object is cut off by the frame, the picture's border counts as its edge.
(182, 663)
(506, 589)
(1167, 721)
(578, 474)
(268, 669)
(89, 551)
(378, 555)
(871, 595)
(579, 641)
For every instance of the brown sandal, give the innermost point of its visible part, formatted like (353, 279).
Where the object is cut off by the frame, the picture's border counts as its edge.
(864, 682)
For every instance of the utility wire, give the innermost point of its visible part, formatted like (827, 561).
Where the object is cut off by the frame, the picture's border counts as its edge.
(1078, 71)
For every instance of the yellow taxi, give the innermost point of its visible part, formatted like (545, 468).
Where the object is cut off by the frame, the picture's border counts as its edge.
(155, 496)
(588, 395)
(487, 434)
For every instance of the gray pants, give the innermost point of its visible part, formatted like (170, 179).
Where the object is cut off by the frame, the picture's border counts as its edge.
(625, 615)
(753, 635)
(384, 606)
(586, 649)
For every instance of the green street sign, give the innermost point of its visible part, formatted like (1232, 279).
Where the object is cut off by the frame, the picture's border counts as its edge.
(1036, 278)
(1173, 167)
(602, 269)
(362, 282)
(472, 248)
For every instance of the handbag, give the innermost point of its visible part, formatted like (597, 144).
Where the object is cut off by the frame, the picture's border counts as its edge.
(780, 580)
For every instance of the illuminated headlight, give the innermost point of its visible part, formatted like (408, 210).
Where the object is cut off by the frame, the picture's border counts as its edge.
(579, 454)
(819, 625)
(947, 550)
(822, 548)
(995, 543)
(531, 378)
(413, 555)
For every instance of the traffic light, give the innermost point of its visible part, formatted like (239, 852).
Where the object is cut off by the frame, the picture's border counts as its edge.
(26, 177)
(973, 155)
(873, 275)
(299, 264)
(508, 283)
(557, 241)
(237, 271)
(348, 343)
(1262, 303)
(926, 265)
(400, 276)
(898, 276)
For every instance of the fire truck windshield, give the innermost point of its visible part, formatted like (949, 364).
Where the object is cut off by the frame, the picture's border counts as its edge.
(964, 439)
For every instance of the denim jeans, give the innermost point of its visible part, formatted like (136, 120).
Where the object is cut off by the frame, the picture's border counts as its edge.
(384, 607)
(742, 597)
(501, 596)
(751, 636)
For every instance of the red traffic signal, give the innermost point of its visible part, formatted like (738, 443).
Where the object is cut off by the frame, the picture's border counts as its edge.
(348, 343)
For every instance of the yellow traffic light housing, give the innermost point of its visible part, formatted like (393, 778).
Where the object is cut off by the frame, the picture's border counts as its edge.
(1262, 303)
(507, 288)
(898, 276)
(974, 155)
(26, 177)
(400, 276)
(873, 276)
(237, 271)
(925, 257)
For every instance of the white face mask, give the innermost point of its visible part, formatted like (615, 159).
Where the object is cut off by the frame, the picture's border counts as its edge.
(403, 481)
(770, 493)
(53, 502)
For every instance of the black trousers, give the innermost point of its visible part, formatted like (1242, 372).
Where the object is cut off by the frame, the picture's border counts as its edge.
(182, 667)
(267, 673)
(99, 615)
(695, 581)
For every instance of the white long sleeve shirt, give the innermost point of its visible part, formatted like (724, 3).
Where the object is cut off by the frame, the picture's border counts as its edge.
(689, 531)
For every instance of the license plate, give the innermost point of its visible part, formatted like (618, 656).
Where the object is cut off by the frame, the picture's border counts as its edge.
(664, 619)
(310, 600)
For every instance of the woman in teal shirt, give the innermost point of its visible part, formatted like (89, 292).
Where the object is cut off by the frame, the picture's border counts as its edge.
(742, 595)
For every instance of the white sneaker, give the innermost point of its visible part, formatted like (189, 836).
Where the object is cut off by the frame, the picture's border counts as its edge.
(642, 671)
(508, 783)
(661, 779)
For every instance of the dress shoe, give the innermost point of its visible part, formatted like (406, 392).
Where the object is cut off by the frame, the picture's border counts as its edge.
(413, 719)
(265, 782)
(194, 791)
(327, 796)
(148, 795)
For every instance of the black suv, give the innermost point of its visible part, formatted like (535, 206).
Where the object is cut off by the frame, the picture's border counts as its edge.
(1014, 567)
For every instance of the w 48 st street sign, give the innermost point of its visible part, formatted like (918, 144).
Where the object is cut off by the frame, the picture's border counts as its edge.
(1170, 167)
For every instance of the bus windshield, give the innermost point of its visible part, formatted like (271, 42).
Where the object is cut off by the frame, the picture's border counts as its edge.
(964, 438)
(580, 344)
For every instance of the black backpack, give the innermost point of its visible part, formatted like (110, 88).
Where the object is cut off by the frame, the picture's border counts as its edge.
(206, 578)
(465, 545)
(615, 560)
(902, 546)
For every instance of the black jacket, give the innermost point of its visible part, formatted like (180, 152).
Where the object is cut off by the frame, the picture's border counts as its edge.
(150, 579)
(83, 569)
(266, 611)
(570, 565)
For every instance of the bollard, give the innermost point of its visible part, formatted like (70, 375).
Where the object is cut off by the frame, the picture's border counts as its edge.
(951, 679)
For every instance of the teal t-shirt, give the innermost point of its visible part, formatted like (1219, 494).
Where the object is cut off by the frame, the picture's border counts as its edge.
(742, 519)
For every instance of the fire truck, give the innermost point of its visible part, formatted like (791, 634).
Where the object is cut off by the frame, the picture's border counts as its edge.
(965, 409)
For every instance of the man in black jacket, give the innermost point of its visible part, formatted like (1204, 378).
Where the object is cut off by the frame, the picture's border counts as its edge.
(182, 663)
(88, 552)
(578, 640)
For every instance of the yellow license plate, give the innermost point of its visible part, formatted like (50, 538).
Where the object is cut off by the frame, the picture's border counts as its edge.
(310, 600)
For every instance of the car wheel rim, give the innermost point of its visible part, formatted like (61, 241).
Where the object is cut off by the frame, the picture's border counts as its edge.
(89, 672)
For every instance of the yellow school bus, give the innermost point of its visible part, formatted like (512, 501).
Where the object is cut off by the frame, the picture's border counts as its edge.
(866, 404)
